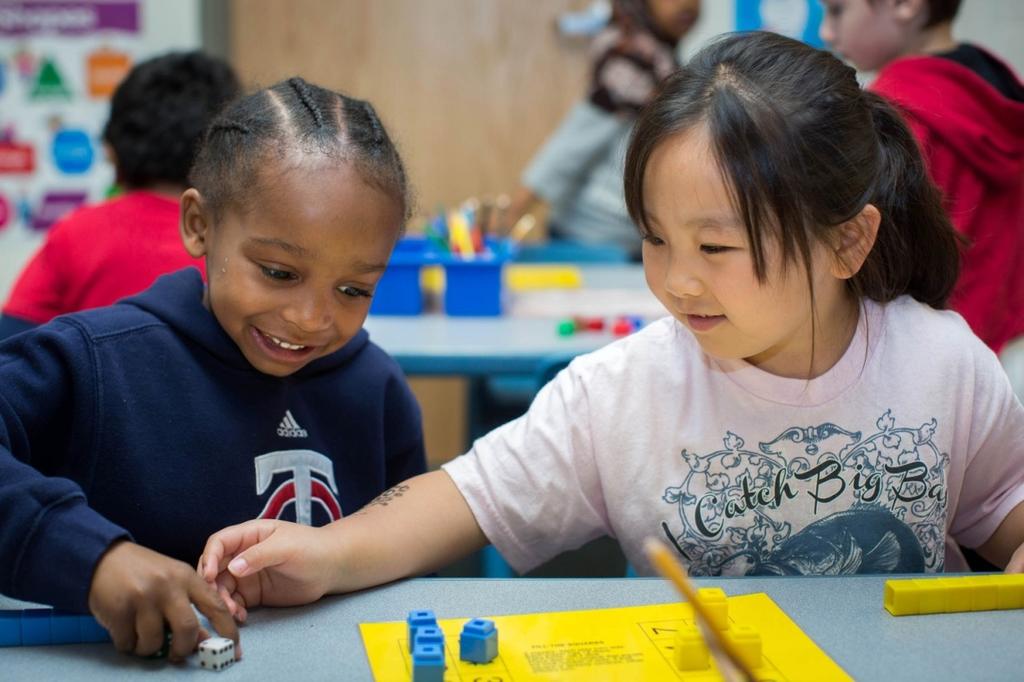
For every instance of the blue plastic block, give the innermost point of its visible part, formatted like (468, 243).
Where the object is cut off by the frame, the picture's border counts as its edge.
(64, 628)
(10, 628)
(478, 641)
(91, 631)
(418, 619)
(428, 634)
(428, 663)
(35, 627)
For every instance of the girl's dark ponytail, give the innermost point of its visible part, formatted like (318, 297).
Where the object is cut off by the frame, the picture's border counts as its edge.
(916, 251)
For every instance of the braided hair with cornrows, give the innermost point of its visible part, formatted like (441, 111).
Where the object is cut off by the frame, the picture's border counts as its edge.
(291, 116)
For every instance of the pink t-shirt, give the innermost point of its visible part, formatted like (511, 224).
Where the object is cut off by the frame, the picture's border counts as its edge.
(909, 445)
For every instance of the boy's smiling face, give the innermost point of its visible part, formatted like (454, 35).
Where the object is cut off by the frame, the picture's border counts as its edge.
(291, 273)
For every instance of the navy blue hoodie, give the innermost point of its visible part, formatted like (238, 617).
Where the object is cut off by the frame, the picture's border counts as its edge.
(143, 420)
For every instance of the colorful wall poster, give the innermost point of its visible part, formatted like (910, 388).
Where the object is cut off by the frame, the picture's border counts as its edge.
(60, 61)
(53, 104)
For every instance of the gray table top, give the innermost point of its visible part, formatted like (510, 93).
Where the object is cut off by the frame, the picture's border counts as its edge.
(322, 641)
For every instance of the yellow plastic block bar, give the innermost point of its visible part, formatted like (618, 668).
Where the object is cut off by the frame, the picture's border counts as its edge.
(916, 596)
(902, 597)
(986, 594)
(931, 595)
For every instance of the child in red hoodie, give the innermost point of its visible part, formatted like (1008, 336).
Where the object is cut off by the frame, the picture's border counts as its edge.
(966, 108)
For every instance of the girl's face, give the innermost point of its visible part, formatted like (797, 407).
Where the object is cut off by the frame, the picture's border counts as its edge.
(291, 273)
(698, 263)
(867, 34)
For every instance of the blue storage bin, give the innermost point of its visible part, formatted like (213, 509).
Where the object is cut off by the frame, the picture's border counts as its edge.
(475, 287)
(472, 286)
(399, 292)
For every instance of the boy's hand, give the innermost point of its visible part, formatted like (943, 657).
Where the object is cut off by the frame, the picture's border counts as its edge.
(269, 563)
(135, 591)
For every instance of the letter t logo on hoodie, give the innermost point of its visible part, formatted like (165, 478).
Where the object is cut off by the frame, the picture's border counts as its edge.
(302, 488)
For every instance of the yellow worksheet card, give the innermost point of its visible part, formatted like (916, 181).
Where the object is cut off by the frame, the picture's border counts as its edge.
(630, 643)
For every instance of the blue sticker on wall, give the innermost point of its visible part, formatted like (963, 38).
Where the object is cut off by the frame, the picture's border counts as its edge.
(72, 151)
(798, 19)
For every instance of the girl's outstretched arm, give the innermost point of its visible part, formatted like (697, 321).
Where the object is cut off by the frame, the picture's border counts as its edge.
(1006, 546)
(415, 527)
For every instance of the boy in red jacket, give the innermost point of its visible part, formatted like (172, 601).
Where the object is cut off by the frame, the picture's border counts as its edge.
(966, 108)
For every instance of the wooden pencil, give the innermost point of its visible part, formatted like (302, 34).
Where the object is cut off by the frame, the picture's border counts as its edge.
(669, 567)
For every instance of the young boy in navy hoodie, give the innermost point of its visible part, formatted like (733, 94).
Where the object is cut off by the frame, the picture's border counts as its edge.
(966, 108)
(128, 434)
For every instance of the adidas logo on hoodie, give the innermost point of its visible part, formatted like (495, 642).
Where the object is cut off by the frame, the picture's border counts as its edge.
(289, 428)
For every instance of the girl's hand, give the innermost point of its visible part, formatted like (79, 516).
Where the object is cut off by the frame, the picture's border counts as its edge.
(416, 527)
(136, 593)
(267, 563)
(1016, 562)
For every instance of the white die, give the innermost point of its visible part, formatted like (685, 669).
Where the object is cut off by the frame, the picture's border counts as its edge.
(216, 653)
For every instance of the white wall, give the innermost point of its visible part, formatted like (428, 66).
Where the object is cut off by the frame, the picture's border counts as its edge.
(166, 25)
(716, 16)
(994, 24)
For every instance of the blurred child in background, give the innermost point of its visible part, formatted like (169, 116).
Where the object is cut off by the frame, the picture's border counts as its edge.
(966, 108)
(578, 171)
(116, 248)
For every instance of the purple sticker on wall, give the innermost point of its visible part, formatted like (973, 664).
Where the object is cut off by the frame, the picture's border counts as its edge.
(67, 17)
(56, 205)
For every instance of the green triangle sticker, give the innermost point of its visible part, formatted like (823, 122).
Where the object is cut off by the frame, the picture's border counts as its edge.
(49, 82)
